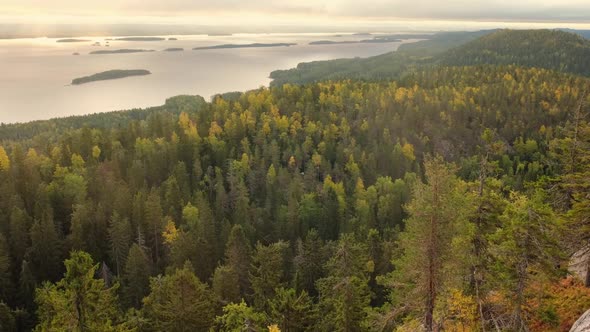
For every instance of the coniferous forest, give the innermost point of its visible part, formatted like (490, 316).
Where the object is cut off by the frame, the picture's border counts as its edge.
(450, 199)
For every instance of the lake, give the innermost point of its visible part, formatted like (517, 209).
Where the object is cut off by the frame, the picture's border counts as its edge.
(36, 72)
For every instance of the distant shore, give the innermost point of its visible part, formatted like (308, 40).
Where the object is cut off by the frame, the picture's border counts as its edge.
(72, 40)
(140, 39)
(216, 47)
(124, 50)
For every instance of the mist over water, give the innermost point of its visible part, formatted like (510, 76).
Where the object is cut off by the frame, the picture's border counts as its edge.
(36, 72)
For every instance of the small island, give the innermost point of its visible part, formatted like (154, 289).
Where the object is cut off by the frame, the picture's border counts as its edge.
(75, 53)
(72, 40)
(140, 39)
(381, 40)
(110, 75)
(124, 50)
(216, 47)
(364, 41)
(174, 49)
(172, 38)
(332, 42)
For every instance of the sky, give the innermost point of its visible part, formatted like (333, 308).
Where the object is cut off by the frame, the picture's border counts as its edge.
(260, 12)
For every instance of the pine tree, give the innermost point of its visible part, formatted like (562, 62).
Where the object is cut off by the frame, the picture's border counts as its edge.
(432, 249)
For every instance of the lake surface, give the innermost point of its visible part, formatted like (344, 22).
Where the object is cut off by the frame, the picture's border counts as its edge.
(35, 73)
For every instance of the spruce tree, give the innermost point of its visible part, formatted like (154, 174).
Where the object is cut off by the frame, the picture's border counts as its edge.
(136, 276)
(79, 301)
(179, 302)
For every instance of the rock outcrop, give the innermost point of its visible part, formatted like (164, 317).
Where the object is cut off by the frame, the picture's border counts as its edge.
(582, 324)
(579, 265)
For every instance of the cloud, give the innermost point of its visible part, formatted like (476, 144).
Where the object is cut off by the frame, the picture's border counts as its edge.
(472, 10)
(499, 10)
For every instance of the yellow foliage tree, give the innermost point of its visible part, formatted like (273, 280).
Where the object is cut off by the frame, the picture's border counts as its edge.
(170, 233)
(4, 160)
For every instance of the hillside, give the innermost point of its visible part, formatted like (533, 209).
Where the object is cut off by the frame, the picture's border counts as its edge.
(314, 197)
(452, 195)
(44, 129)
(550, 49)
(381, 67)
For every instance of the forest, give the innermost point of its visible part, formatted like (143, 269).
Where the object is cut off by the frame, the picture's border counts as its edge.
(449, 199)
(564, 51)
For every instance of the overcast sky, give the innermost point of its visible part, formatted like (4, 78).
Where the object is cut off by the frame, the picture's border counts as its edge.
(145, 11)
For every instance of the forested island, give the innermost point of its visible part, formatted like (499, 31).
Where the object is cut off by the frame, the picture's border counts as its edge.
(215, 47)
(330, 42)
(448, 194)
(120, 51)
(72, 40)
(174, 49)
(110, 75)
(140, 39)
(364, 41)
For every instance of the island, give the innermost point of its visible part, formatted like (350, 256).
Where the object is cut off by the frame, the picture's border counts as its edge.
(75, 53)
(215, 47)
(381, 40)
(110, 75)
(172, 38)
(72, 40)
(140, 39)
(124, 50)
(174, 49)
(331, 42)
(364, 41)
